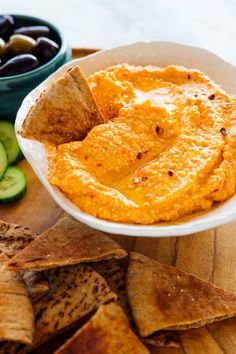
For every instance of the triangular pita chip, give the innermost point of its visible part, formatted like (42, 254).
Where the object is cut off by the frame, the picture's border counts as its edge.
(17, 315)
(164, 297)
(14, 238)
(37, 284)
(114, 271)
(64, 112)
(108, 332)
(67, 242)
(75, 292)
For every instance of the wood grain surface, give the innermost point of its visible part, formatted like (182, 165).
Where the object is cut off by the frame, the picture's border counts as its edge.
(210, 255)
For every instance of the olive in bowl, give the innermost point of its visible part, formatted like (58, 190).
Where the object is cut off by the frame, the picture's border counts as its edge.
(30, 50)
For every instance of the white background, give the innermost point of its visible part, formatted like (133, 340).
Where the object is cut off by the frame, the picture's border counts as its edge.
(210, 24)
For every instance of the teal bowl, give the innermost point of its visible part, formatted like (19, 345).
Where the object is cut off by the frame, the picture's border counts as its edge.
(14, 88)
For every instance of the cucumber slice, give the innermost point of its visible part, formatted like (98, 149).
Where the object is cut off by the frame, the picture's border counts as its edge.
(8, 138)
(12, 185)
(3, 160)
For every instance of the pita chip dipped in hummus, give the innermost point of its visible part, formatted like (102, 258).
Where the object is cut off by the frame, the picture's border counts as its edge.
(166, 149)
(64, 112)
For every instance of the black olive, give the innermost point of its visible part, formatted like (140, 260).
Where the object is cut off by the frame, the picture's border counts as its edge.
(6, 25)
(19, 65)
(33, 31)
(45, 49)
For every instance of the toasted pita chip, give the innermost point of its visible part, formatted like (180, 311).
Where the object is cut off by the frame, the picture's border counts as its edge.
(37, 284)
(64, 112)
(14, 238)
(75, 292)
(108, 332)
(17, 315)
(164, 297)
(67, 242)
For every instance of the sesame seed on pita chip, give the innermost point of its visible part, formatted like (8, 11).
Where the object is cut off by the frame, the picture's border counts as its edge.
(67, 242)
(65, 111)
(163, 297)
(107, 332)
(17, 315)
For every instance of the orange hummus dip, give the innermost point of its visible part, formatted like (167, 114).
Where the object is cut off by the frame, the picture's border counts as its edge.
(166, 149)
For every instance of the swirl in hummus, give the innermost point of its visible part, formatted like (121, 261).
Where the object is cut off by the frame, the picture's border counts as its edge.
(166, 149)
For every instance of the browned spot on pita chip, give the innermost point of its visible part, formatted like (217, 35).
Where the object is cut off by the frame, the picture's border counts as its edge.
(164, 297)
(67, 242)
(108, 332)
(75, 292)
(14, 238)
(64, 112)
(17, 315)
(37, 284)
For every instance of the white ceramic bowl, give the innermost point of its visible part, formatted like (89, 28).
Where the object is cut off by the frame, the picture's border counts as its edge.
(156, 53)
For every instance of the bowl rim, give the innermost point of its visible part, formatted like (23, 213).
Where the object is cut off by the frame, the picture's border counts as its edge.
(63, 48)
(179, 228)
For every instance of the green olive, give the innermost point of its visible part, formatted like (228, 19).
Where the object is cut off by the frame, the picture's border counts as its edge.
(20, 44)
(2, 47)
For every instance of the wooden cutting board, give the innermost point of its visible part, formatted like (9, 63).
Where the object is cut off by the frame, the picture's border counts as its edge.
(210, 255)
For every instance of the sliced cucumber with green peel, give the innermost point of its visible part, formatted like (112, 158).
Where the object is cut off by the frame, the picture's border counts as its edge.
(8, 138)
(12, 185)
(3, 160)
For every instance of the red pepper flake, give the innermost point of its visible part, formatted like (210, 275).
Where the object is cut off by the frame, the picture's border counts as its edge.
(159, 130)
(211, 97)
(144, 178)
(139, 155)
(223, 131)
(170, 172)
(136, 180)
(189, 77)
